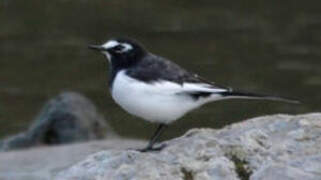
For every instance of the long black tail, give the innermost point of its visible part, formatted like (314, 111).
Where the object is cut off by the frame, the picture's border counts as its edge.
(249, 95)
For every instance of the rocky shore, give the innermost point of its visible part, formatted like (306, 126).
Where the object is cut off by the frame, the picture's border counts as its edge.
(262, 148)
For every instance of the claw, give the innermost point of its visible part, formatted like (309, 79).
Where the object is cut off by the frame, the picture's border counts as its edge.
(150, 149)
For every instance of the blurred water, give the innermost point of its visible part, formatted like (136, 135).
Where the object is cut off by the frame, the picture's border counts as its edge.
(264, 46)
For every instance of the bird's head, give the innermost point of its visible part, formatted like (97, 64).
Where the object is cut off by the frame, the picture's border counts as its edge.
(121, 51)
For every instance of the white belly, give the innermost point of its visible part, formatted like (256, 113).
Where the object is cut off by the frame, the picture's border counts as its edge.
(156, 102)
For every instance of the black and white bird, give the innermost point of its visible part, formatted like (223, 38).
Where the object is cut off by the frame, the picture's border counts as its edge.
(157, 90)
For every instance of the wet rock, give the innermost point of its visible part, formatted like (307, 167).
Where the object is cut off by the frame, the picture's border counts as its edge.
(269, 148)
(69, 117)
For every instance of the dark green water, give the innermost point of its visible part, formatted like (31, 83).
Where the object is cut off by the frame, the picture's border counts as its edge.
(265, 46)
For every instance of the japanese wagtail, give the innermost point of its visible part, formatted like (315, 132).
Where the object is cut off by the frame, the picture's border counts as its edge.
(156, 89)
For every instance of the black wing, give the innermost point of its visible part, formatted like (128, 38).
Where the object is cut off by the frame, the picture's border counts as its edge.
(154, 68)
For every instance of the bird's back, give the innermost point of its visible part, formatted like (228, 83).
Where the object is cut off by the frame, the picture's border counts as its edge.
(153, 68)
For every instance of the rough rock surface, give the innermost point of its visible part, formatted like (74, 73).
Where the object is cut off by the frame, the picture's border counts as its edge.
(263, 148)
(69, 117)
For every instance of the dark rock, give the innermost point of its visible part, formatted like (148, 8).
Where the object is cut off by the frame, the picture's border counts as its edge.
(69, 117)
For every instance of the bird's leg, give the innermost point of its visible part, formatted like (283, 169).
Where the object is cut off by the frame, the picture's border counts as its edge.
(154, 138)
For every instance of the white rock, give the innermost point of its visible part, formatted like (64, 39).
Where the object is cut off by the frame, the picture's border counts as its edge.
(264, 148)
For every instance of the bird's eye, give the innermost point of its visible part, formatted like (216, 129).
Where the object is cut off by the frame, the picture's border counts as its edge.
(118, 48)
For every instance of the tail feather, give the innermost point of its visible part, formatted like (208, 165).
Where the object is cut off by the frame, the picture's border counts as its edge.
(249, 95)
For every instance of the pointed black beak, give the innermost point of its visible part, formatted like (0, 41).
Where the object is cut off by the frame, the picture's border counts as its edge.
(96, 47)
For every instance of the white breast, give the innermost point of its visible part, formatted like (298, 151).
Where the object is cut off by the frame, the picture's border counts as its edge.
(158, 102)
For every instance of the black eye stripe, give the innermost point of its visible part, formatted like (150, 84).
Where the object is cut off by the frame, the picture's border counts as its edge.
(118, 48)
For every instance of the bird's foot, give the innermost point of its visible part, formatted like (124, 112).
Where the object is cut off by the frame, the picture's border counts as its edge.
(151, 148)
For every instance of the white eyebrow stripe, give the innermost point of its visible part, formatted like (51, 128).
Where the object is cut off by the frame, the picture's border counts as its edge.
(113, 43)
(110, 44)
